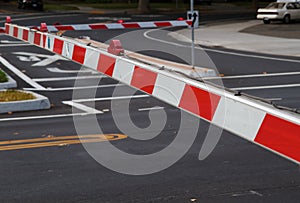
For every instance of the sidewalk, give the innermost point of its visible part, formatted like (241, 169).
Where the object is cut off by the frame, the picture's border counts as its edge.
(229, 36)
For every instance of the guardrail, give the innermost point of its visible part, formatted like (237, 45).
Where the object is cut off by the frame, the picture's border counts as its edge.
(258, 122)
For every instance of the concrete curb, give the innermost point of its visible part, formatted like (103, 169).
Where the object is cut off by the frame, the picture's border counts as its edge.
(11, 83)
(230, 37)
(41, 102)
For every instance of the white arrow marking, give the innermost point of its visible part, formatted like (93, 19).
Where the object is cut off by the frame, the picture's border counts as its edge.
(58, 70)
(30, 58)
(48, 61)
(82, 107)
(49, 58)
(11, 42)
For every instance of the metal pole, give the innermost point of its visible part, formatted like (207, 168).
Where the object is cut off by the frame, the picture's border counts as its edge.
(193, 36)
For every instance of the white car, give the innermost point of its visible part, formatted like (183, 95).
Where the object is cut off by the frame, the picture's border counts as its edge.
(283, 11)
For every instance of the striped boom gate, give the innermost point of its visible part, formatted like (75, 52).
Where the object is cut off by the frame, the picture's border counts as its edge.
(258, 122)
(112, 26)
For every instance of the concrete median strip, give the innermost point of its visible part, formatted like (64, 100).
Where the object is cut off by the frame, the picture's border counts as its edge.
(255, 121)
(40, 102)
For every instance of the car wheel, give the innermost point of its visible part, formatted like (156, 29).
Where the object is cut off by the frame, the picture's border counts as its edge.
(287, 19)
(266, 21)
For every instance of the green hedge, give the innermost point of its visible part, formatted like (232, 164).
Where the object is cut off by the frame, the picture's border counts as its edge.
(3, 77)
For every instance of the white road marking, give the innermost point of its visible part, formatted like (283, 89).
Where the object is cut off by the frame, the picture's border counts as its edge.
(82, 107)
(58, 70)
(218, 51)
(67, 78)
(73, 88)
(151, 108)
(45, 117)
(254, 75)
(20, 74)
(273, 99)
(49, 58)
(14, 45)
(266, 87)
(12, 42)
(111, 98)
(30, 58)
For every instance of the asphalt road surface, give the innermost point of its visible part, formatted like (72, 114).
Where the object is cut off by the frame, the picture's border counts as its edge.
(236, 171)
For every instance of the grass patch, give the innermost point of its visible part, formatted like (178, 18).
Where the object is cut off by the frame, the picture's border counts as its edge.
(59, 7)
(3, 77)
(15, 95)
(110, 5)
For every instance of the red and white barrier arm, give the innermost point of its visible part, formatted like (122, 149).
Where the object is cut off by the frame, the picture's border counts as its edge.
(257, 122)
(106, 26)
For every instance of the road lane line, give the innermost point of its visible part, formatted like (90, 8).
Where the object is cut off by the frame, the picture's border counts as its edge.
(111, 98)
(68, 78)
(14, 45)
(20, 74)
(146, 35)
(273, 99)
(56, 138)
(254, 75)
(82, 107)
(12, 42)
(45, 117)
(74, 88)
(266, 87)
(58, 141)
(151, 108)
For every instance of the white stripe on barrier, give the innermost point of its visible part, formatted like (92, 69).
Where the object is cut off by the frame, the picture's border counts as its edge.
(168, 88)
(82, 27)
(91, 59)
(114, 26)
(123, 71)
(147, 24)
(49, 42)
(68, 49)
(236, 114)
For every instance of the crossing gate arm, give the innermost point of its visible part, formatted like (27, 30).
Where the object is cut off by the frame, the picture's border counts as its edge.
(258, 122)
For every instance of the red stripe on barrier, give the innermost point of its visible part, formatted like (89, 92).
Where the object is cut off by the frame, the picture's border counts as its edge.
(131, 25)
(15, 33)
(280, 135)
(78, 54)
(2, 30)
(37, 38)
(58, 46)
(143, 79)
(7, 29)
(106, 64)
(44, 40)
(162, 24)
(97, 26)
(25, 35)
(199, 102)
(64, 27)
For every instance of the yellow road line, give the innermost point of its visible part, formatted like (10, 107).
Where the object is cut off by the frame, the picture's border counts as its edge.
(57, 141)
(44, 139)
